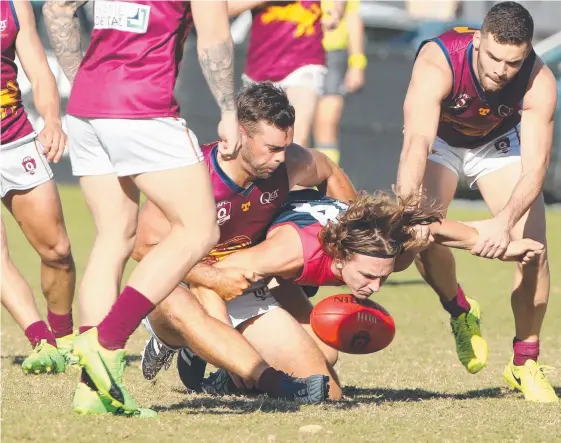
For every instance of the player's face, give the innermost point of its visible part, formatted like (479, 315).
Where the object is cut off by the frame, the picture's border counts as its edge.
(365, 275)
(263, 152)
(497, 64)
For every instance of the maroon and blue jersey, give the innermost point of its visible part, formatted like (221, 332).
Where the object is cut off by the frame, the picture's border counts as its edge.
(471, 117)
(308, 212)
(243, 214)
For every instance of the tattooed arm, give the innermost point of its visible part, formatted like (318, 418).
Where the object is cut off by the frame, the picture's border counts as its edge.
(63, 28)
(216, 51)
(216, 56)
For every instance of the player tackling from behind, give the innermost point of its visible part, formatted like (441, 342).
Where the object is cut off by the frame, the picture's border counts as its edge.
(480, 106)
(249, 190)
(125, 136)
(319, 241)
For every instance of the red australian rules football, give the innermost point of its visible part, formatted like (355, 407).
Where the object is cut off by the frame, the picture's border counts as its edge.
(352, 326)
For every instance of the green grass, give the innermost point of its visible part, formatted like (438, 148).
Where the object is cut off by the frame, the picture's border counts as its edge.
(415, 390)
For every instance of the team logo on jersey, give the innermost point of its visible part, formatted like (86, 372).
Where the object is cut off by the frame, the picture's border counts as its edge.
(223, 212)
(3, 25)
(504, 111)
(502, 145)
(484, 111)
(29, 165)
(246, 206)
(268, 197)
(9, 98)
(222, 250)
(461, 102)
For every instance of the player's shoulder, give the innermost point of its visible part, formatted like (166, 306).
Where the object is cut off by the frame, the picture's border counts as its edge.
(542, 87)
(296, 153)
(208, 148)
(432, 56)
(297, 159)
(306, 207)
(433, 71)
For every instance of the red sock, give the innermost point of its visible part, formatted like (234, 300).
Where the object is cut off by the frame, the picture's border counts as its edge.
(61, 325)
(525, 350)
(458, 305)
(123, 319)
(84, 377)
(38, 331)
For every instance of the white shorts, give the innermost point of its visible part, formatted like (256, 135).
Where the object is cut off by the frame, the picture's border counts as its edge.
(309, 76)
(256, 301)
(100, 146)
(23, 165)
(472, 164)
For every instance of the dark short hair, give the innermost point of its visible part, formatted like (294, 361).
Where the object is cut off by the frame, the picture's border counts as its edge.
(510, 23)
(264, 102)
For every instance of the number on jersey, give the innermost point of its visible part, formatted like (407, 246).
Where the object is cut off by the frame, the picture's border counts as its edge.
(322, 213)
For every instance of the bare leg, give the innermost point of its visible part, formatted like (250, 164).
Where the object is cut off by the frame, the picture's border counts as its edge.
(39, 214)
(436, 264)
(304, 101)
(326, 126)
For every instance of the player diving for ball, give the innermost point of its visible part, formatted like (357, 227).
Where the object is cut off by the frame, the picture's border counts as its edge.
(249, 189)
(319, 241)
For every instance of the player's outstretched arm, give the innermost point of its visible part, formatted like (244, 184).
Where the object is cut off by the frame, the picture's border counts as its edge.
(45, 94)
(279, 255)
(63, 28)
(458, 235)
(431, 82)
(536, 139)
(308, 168)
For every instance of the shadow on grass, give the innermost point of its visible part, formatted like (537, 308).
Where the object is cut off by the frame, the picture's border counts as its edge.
(355, 395)
(230, 405)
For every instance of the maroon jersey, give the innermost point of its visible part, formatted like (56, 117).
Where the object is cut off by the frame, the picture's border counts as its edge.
(131, 65)
(284, 37)
(471, 117)
(15, 124)
(243, 214)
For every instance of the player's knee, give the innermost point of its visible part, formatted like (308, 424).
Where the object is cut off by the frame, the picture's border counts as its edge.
(182, 321)
(58, 254)
(118, 239)
(206, 235)
(331, 355)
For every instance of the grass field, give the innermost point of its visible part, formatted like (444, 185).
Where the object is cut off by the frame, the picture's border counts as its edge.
(415, 390)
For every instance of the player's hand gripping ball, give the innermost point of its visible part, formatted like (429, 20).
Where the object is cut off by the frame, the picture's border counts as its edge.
(352, 326)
